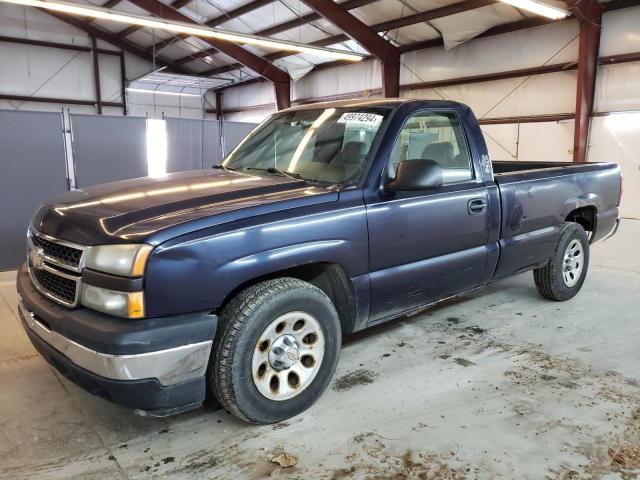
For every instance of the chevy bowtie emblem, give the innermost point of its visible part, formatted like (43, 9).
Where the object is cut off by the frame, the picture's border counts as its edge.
(36, 257)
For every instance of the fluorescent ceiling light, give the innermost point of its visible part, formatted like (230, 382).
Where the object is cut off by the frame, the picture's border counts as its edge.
(160, 92)
(539, 8)
(187, 28)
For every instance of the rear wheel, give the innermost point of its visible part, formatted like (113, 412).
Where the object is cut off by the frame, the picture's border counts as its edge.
(561, 278)
(276, 350)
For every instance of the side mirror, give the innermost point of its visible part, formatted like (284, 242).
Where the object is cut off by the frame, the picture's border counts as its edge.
(419, 174)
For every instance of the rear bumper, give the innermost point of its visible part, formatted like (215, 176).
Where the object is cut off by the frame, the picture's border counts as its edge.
(142, 364)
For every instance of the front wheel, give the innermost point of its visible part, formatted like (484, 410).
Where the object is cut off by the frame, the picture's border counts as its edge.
(276, 350)
(561, 278)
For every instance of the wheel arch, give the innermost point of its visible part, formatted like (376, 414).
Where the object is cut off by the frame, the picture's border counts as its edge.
(585, 216)
(330, 277)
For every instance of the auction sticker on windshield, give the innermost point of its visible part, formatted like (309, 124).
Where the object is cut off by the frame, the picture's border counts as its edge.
(361, 119)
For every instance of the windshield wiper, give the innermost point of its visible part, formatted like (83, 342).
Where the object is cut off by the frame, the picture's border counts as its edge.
(294, 176)
(222, 167)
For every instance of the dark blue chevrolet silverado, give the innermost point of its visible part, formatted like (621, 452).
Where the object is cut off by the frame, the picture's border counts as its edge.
(237, 284)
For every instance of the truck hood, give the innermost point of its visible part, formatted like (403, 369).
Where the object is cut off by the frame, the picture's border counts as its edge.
(137, 210)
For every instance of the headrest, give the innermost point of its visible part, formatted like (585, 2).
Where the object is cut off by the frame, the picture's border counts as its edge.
(352, 152)
(439, 151)
(354, 149)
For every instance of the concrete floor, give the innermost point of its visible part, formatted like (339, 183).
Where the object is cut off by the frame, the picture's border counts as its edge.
(501, 384)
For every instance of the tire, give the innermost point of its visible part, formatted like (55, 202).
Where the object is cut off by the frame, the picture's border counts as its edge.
(242, 373)
(552, 280)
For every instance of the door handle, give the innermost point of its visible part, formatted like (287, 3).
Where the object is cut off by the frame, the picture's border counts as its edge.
(477, 206)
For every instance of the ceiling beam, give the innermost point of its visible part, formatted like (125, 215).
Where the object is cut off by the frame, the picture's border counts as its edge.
(497, 30)
(134, 28)
(360, 32)
(421, 17)
(259, 65)
(62, 46)
(310, 17)
(446, 11)
(212, 22)
(236, 12)
(107, 4)
(282, 27)
(111, 3)
(115, 41)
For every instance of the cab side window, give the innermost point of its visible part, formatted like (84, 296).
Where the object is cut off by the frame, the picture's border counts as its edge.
(436, 136)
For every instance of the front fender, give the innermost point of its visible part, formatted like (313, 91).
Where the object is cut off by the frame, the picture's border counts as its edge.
(199, 273)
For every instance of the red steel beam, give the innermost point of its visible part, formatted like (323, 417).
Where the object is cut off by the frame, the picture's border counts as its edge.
(236, 12)
(281, 27)
(134, 28)
(360, 32)
(498, 30)
(309, 17)
(65, 101)
(132, 48)
(111, 3)
(62, 46)
(107, 4)
(589, 14)
(421, 17)
(259, 65)
(622, 58)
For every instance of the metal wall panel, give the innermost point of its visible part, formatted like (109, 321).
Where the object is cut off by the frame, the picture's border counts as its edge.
(213, 153)
(184, 144)
(234, 132)
(33, 166)
(107, 149)
(192, 144)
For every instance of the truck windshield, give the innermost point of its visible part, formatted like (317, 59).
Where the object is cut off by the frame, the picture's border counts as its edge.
(323, 145)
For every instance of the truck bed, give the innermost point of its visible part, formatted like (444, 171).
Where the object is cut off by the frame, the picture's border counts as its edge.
(537, 197)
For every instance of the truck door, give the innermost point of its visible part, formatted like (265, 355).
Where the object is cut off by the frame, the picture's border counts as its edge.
(428, 245)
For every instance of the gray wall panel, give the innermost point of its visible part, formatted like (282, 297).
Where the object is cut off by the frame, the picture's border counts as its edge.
(192, 144)
(234, 132)
(107, 149)
(184, 144)
(33, 167)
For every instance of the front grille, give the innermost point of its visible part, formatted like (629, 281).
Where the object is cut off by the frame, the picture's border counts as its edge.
(61, 288)
(60, 253)
(55, 267)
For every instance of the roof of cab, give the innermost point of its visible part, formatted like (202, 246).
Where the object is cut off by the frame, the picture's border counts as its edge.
(366, 102)
(369, 102)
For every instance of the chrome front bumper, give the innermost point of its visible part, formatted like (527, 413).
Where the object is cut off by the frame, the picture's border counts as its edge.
(169, 367)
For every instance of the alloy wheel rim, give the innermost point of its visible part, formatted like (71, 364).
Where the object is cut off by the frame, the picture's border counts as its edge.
(288, 356)
(573, 263)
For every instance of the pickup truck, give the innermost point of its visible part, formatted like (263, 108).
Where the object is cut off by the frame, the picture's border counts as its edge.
(237, 284)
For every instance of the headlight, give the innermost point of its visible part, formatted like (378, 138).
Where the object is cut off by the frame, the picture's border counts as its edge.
(122, 304)
(127, 260)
